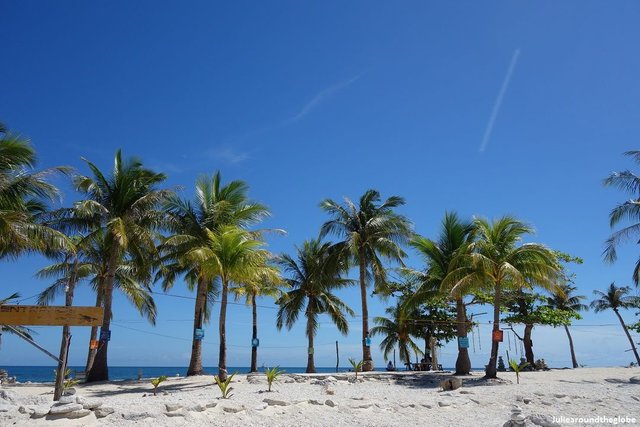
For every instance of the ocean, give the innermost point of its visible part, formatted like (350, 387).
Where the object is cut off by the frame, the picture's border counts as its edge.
(46, 373)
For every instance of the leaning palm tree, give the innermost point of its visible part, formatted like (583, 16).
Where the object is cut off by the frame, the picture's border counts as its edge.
(440, 255)
(616, 298)
(396, 330)
(124, 208)
(266, 283)
(190, 222)
(21, 330)
(564, 299)
(498, 260)
(24, 195)
(313, 276)
(233, 256)
(628, 210)
(371, 231)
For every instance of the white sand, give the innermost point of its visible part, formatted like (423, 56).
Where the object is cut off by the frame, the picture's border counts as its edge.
(382, 399)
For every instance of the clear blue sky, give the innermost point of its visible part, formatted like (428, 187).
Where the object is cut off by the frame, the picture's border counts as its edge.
(312, 100)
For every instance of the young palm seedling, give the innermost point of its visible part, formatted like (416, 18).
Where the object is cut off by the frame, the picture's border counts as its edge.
(224, 387)
(357, 366)
(68, 382)
(272, 375)
(517, 368)
(156, 382)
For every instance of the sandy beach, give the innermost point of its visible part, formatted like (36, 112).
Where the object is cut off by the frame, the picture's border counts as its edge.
(376, 399)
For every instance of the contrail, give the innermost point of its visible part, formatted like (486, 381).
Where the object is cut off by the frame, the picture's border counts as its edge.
(498, 103)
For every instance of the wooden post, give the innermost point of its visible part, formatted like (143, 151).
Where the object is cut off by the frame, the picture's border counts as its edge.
(337, 357)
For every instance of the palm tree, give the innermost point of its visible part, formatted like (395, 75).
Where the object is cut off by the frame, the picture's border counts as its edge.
(233, 256)
(396, 330)
(454, 240)
(564, 299)
(214, 206)
(615, 299)
(23, 199)
(628, 182)
(124, 208)
(313, 276)
(266, 283)
(22, 330)
(498, 260)
(370, 231)
(89, 264)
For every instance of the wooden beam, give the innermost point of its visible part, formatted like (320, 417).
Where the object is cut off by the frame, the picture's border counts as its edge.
(50, 316)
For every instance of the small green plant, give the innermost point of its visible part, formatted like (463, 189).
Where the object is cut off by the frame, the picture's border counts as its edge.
(68, 382)
(156, 382)
(357, 366)
(272, 375)
(224, 386)
(517, 368)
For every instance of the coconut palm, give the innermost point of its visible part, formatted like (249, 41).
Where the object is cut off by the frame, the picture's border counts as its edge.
(233, 256)
(266, 283)
(371, 231)
(629, 210)
(190, 222)
(123, 207)
(498, 260)
(24, 195)
(88, 264)
(396, 330)
(564, 299)
(313, 276)
(616, 298)
(439, 255)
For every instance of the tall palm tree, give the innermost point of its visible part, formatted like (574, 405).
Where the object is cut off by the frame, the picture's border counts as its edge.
(124, 207)
(313, 276)
(215, 206)
(233, 256)
(371, 231)
(628, 210)
(616, 298)
(498, 260)
(440, 255)
(89, 265)
(564, 299)
(24, 195)
(396, 330)
(266, 283)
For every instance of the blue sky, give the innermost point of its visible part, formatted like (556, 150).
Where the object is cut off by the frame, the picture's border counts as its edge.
(312, 100)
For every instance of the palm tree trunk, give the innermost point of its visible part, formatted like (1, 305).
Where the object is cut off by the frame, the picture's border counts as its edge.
(367, 364)
(91, 355)
(195, 364)
(574, 362)
(463, 363)
(491, 370)
(626, 331)
(528, 345)
(222, 359)
(254, 335)
(311, 367)
(66, 338)
(100, 369)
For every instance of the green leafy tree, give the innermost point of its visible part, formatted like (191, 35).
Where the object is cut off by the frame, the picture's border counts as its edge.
(498, 260)
(440, 256)
(124, 207)
(24, 198)
(371, 231)
(215, 206)
(616, 298)
(313, 276)
(629, 210)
